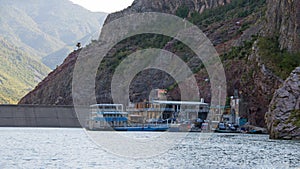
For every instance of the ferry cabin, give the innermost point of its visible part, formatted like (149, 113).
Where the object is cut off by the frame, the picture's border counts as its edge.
(185, 110)
(106, 116)
(167, 111)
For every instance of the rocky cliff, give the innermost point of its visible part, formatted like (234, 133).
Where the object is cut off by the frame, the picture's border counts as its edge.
(283, 21)
(283, 117)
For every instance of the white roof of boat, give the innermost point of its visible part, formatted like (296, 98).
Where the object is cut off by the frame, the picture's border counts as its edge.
(110, 112)
(179, 102)
(95, 105)
(135, 115)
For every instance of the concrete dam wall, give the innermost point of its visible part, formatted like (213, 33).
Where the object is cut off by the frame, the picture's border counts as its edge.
(38, 116)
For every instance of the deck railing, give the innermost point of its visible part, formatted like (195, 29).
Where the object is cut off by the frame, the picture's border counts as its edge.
(149, 109)
(165, 109)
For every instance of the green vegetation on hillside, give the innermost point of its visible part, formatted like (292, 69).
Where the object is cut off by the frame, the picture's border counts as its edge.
(45, 28)
(235, 9)
(281, 62)
(145, 41)
(34, 33)
(132, 44)
(182, 11)
(239, 52)
(19, 73)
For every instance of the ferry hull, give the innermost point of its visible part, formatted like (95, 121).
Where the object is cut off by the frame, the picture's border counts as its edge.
(141, 128)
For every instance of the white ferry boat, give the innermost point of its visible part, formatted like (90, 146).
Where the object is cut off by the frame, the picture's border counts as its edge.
(109, 117)
(106, 117)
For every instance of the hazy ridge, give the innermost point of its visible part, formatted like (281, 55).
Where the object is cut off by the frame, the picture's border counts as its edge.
(36, 36)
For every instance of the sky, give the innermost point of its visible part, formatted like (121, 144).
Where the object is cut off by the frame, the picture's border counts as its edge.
(107, 6)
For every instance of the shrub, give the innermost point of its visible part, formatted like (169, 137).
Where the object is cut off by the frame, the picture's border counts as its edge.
(182, 11)
(281, 62)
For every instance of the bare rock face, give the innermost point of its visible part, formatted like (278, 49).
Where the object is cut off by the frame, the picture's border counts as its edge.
(283, 19)
(283, 117)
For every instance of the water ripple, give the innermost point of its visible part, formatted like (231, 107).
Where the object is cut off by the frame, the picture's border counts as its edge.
(72, 148)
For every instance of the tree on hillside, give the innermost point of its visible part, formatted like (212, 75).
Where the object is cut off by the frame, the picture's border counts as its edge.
(78, 45)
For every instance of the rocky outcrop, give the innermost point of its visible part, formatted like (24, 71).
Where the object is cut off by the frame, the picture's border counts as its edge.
(283, 20)
(283, 117)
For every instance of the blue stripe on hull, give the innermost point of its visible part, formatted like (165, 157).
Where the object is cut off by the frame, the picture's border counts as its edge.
(141, 128)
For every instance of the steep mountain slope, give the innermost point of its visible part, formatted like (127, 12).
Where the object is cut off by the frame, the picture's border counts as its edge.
(235, 27)
(37, 34)
(19, 73)
(42, 27)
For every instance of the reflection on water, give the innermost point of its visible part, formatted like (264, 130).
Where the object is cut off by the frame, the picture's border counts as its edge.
(72, 148)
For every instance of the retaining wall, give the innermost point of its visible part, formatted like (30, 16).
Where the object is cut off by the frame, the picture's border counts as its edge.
(38, 116)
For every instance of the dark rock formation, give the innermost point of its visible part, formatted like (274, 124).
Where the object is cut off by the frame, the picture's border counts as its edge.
(283, 18)
(283, 117)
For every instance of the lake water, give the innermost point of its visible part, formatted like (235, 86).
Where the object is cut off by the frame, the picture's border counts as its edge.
(74, 148)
